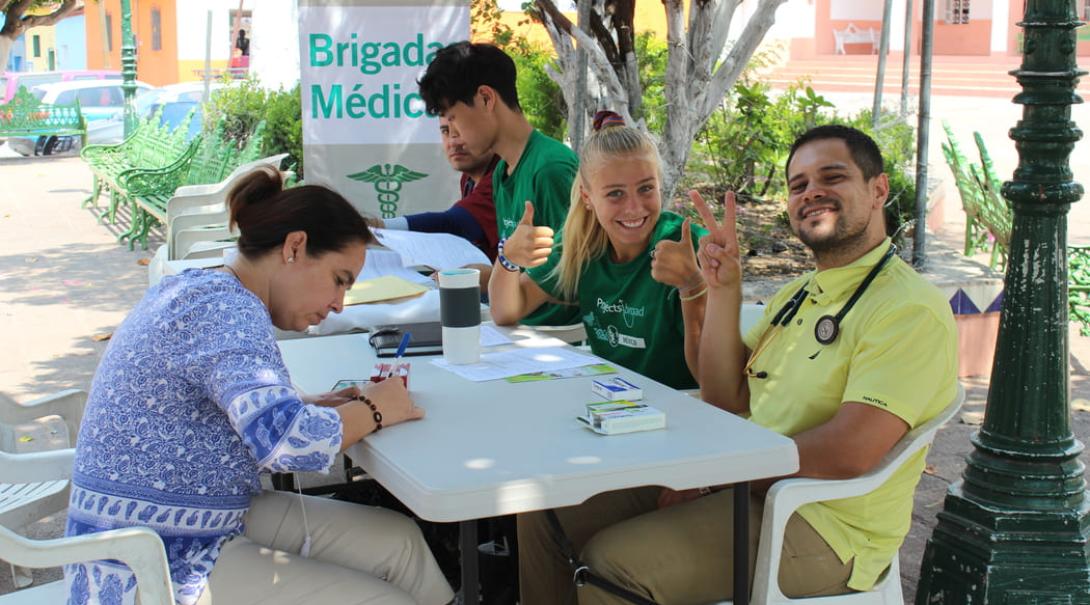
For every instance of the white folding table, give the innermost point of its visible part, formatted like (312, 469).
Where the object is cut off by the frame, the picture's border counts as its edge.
(494, 448)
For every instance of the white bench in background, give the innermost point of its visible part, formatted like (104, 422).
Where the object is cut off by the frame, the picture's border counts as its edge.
(855, 35)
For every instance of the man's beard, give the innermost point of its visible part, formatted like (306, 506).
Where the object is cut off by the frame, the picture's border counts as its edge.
(843, 236)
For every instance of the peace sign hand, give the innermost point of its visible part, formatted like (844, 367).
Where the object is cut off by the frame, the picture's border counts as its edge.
(718, 255)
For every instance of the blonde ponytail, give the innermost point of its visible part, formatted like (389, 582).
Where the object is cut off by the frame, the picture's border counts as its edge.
(583, 238)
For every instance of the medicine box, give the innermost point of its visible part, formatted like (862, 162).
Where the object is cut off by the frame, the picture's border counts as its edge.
(617, 417)
(616, 389)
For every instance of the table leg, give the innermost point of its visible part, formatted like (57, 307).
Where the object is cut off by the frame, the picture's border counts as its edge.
(470, 574)
(741, 543)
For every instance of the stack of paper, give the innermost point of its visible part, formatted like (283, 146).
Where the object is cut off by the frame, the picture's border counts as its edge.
(495, 366)
(439, 251)
(389, 287)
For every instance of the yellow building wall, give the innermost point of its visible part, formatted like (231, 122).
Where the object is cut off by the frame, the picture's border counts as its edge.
(47, 41)
(649, 17)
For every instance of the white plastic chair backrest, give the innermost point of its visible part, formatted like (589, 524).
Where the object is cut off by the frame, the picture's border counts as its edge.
(138, 547)
(766, 579)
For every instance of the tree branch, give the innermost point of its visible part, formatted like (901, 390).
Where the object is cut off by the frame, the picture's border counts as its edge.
(739, 55)
(16, 23)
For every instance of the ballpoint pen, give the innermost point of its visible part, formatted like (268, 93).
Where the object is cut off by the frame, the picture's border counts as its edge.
(400, 351)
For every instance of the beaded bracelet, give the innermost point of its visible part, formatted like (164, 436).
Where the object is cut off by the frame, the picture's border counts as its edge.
(375, 414)
(506, 264)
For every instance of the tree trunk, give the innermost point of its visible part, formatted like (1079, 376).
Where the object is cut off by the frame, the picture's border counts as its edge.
(698, 75)
(5, 50)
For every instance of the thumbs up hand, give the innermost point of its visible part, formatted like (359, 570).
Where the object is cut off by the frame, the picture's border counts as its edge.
(674, 263)
(529, 246)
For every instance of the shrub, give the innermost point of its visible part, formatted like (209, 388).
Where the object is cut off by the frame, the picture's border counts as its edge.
(241, 105)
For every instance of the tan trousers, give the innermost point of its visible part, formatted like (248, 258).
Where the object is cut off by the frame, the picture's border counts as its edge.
(678, 555)
(358, 555)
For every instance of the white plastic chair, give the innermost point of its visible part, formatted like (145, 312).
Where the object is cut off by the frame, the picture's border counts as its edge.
(138, 547)
(47, 423)
(785, 497)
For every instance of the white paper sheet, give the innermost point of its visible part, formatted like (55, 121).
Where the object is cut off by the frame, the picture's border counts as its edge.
(436, 250)
(491, 337)
(494, 366)
(380, 262)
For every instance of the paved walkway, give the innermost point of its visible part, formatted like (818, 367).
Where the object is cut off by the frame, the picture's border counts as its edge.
(65, 282)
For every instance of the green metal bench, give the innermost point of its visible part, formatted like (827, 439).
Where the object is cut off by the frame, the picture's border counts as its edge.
(1078, 287)
(215, 158)
(988, 217)
(26, 116)
(152, 145)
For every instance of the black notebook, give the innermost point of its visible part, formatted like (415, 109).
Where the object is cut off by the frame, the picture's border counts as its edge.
(426, 339)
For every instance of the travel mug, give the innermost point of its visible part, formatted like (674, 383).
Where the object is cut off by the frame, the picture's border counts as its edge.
(460, 315)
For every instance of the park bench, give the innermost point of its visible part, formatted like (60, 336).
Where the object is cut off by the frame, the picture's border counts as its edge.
(855, 35)
(151, 190)
(152, 145)
(988, 216)
(26, 116)
(1078, 287)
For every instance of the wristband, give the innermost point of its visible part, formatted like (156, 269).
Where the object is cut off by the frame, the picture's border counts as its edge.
(698, 294)
(504, 262)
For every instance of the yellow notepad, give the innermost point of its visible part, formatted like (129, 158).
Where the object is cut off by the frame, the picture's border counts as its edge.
(388, 287)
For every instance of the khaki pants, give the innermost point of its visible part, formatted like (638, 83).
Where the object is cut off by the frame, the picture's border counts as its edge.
(358, 555)
(679, 555)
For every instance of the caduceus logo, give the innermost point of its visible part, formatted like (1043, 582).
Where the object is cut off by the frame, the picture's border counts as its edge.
(388, 179)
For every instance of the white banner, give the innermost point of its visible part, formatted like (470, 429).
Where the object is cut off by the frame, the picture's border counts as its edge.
(365, 132)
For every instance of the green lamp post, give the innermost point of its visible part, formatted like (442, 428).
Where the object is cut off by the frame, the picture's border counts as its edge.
(1015, 529)
(128, 66)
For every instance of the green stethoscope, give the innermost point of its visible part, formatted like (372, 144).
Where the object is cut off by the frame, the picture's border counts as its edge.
(827, 327)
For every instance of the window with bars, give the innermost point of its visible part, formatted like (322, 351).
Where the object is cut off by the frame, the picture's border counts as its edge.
(109, 31)
(957, 11)
(156, 29)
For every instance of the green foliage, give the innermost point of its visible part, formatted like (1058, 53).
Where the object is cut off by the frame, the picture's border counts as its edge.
(744, 144)
(1079, 288)
(284, 127)
(541, 99)
(652, 54)
(241, 105)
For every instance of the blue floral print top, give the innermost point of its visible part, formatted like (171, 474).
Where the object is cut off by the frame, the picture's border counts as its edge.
(190, 402)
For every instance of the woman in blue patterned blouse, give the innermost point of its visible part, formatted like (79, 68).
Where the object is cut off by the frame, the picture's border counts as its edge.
(192, 401)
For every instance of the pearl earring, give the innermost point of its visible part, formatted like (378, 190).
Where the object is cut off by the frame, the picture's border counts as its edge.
(291, 260)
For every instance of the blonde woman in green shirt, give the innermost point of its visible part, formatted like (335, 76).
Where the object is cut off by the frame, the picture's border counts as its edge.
(629, 266)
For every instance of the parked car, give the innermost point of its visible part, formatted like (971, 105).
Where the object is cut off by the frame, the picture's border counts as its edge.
(175, 100)
(98, 100)
(10, 81)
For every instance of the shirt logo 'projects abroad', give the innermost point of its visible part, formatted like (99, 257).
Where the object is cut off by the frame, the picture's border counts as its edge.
(611, 334)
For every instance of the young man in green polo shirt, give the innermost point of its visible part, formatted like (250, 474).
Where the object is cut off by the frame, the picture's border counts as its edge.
(472, 86)
(845, 376)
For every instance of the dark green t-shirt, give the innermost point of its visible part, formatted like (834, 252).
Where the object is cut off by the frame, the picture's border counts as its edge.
(543, 176)
(631, 319)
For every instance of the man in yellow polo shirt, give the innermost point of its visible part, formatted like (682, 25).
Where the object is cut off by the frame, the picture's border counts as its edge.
(846, 360)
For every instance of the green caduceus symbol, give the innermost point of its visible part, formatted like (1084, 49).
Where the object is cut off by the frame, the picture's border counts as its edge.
(388, 179)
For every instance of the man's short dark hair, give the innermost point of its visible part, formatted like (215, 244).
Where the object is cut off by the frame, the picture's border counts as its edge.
(864, 150)
(460, 69)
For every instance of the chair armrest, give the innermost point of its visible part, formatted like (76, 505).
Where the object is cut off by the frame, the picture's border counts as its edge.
(37, 467)
(138, 547)
(67, 404)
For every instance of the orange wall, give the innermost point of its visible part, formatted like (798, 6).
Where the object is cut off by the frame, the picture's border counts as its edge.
(972, 38)
(157, 67)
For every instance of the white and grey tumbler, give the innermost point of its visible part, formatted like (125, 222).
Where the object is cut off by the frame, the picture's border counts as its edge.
(460, 314)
